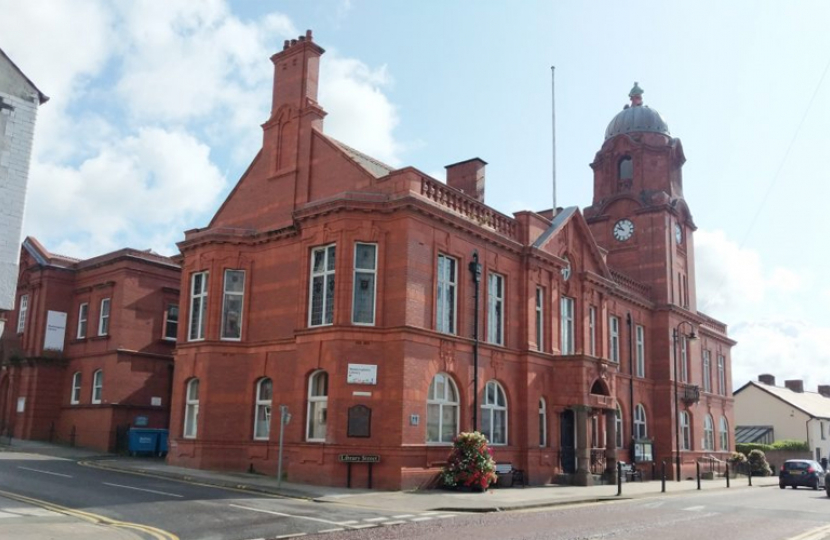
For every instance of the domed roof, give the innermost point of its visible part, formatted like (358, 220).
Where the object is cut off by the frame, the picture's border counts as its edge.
(637, 118)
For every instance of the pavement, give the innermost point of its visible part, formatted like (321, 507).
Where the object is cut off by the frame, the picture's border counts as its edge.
(493, 500)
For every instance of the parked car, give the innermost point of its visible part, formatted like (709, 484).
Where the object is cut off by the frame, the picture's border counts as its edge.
(802, 472)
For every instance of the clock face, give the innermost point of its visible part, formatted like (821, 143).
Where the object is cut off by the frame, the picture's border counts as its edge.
(623, 230)
(678, 233)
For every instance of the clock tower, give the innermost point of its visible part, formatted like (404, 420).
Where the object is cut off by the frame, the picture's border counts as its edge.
(638, 211)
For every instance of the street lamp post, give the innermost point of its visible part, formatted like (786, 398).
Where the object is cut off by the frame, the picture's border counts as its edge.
(691, 336)
(475, 270)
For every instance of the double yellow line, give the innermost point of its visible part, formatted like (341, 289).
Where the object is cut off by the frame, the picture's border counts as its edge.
(153, 532)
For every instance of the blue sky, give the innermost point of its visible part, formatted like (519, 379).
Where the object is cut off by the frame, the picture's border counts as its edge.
(156, 108)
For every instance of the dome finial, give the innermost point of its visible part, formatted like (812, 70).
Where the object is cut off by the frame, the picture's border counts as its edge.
(636, 95)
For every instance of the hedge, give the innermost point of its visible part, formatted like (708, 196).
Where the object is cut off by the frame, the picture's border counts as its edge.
(786, 444)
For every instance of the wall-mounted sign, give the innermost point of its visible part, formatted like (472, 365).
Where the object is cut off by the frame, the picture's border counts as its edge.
(359, 458)
(21, 404)
(155, 401)
(362, 374)
(140, 421)
(360, 421)
(55, 331)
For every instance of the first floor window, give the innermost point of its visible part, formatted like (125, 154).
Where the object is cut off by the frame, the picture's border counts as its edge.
(724, 434)
(540, 318)
(75, 396)
(191, 409)
(321, 298)
(721, 375)
(232, 304)
(614, 339)
(171, 322)
(566, 315)
(684, 359)
(318, 396)
(708, 433)
(495, 309)
(685, 432)
(494, 414)
(618, 422)
(543, 423)
(262, 414)
(365, 282)
(445, 295)
(83, 315)
(592, 324)
(707, 372)
(442, 409)
(104, 318)
(21, 313)
(97, 386)
(640, 424)
(198, 305)
(641, 351)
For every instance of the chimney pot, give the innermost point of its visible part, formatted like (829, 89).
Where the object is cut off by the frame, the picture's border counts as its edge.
(308, 34)
(468, 176)
(796, 385)
(766, 378)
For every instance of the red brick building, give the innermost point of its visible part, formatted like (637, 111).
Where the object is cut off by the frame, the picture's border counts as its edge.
(89, 347)
(342, 288)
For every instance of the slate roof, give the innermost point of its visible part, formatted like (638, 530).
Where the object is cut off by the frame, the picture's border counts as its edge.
(753, 434)
(810, 403)
(374, 167)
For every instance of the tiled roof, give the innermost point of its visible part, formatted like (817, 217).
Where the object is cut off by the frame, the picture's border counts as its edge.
(812, 403)
(374, 167)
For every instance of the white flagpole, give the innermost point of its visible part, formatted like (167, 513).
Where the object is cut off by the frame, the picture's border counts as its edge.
(553, 128)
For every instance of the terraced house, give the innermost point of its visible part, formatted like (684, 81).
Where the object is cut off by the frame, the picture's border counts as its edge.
(385, 311)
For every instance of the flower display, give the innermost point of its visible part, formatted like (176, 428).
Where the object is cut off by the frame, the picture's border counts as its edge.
(470, 463)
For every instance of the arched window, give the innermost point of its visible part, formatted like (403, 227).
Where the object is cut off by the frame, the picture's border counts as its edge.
(494, 413)
(626, 168)
(191, 409)
(724, 434)
(618, 422)
(640, 424)
(442, 409)
(75, 396)
(318, 403)
(685, 432)
(97, 386)
(543, 423)
(708, 433)
(262, 414)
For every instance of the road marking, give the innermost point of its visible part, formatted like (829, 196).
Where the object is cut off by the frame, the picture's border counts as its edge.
(425, 518)
(445, 516)
(45, 472)
(813, 534)
(388, 523)
(319, 520)
(376, 519)
(97, 519)
(404, 516)
(337, 529)
(349, 522)
(364, 526)
(694, 508)
(142, 489)
(294, 535)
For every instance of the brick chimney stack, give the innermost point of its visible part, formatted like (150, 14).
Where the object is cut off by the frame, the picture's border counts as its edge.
(468, 176)
(824, 390)
(766, 378)
(796, 385)
(296, 73)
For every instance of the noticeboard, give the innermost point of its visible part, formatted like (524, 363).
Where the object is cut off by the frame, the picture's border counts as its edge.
(643, 451)
(360, 421)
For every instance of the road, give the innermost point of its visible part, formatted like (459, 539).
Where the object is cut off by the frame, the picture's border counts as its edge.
(165, 509)
(753, 514)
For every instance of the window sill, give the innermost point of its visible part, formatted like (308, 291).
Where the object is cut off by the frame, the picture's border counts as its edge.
(99, 338)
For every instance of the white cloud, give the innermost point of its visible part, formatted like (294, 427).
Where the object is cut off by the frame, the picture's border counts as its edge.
(729, 279)
(360, 114)
(139, 189)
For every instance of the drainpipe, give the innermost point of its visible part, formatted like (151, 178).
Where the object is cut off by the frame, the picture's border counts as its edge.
(631, 384)
(807, 427)
(475, 270)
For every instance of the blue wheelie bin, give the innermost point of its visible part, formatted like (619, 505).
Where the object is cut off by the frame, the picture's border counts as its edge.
(162, 443)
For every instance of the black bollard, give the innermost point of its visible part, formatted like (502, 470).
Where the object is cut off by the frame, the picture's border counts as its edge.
(727, 475)
(619, 478)
(749, 473)
(697, 467)
(663, 477)
(653, 467)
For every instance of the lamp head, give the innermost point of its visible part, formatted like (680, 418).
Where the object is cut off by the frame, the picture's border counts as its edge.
(692, 336)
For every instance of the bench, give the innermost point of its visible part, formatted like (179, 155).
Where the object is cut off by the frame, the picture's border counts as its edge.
(630, 472)
(506, 470)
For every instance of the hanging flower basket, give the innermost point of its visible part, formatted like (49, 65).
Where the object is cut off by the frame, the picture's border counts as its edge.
(470, 465)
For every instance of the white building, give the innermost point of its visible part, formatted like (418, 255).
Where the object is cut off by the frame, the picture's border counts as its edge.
(19, 100)
(791, 412)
